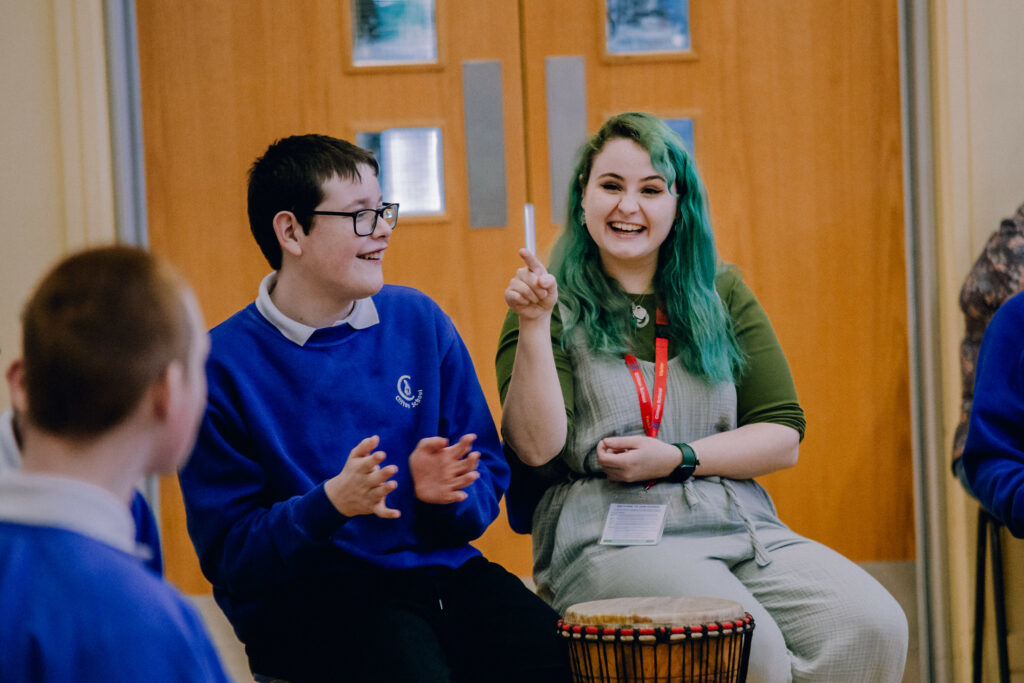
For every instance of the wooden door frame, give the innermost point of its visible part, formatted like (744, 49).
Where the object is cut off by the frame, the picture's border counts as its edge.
(924, 330)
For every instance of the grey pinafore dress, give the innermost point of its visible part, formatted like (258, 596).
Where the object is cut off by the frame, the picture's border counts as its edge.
(569, 519)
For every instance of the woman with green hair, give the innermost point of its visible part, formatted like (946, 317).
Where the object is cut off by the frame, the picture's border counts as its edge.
(642, 371)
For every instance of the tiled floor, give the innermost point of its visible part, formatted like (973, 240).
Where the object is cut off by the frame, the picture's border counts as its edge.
(898, 577)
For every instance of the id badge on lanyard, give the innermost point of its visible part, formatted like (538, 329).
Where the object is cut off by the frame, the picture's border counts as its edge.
(637, 523)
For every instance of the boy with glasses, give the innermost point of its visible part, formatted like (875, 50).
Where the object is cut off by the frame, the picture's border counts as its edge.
(348, 458)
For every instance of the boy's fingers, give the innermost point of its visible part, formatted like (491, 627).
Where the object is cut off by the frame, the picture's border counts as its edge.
(384, 512)
(470, 462)
(432, 443)
(365, 446)
(371, 461)
(460, 447)
(465, 480)
(464, 466)
(384, 473)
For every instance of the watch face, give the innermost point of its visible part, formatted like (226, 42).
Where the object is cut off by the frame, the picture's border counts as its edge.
(681, 474)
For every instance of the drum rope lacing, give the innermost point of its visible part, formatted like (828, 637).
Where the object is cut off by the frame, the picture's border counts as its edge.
(655, 633)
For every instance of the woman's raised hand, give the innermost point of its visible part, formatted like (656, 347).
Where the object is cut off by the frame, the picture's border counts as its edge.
(533, 416)
(532, 293)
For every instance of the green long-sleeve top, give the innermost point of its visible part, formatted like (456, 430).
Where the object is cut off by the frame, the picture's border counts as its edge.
(764, 392)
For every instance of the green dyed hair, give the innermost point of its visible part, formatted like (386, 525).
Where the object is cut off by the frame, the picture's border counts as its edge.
(687, 261)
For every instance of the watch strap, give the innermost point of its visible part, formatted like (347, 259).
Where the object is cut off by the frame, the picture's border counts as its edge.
(687, 466)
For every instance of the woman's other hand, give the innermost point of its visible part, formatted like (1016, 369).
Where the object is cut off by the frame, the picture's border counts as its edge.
(749, 451)
(637, 458)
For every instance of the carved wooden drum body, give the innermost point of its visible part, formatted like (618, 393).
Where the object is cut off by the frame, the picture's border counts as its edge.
(658, 640)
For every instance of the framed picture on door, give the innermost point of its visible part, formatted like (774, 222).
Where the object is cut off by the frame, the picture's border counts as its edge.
(646, 28)
(389, 33)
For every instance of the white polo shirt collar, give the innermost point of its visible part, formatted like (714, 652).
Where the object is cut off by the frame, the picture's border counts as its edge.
(46, 500)
(363, 314)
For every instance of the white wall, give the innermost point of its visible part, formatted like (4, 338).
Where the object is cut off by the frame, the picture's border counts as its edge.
(55, 168)
(31, 185)
(995, 96)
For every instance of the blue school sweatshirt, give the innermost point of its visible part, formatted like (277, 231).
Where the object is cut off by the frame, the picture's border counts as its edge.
(282, 418)
(994, 453)
(74, 608)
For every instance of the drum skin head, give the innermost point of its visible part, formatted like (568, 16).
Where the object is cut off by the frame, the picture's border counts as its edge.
(653, 611)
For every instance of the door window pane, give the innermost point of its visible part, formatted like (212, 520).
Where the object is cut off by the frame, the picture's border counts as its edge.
(411, 167)
(645, 26)
(393, 32)
(684, 127)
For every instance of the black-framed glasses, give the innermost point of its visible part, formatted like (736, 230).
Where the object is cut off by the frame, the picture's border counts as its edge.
(364, 221)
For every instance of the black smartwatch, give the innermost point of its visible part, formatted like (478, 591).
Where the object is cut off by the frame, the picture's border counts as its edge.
(686, 467)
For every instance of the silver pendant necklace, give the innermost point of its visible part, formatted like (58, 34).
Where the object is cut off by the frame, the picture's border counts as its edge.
(640, 315)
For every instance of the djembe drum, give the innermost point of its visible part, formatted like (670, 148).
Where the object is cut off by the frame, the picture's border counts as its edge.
(658, 640)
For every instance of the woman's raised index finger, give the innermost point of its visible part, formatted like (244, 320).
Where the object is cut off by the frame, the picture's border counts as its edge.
(532, 262)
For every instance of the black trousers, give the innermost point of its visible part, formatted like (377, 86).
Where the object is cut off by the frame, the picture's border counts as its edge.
(474, 624)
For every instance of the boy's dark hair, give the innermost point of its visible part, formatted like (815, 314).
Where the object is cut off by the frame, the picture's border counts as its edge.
(290, 177)
(101, 327)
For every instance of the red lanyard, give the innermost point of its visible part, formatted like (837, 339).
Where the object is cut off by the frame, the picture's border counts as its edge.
(651, 411)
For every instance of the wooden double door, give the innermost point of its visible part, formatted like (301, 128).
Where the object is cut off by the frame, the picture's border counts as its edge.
(794, 107)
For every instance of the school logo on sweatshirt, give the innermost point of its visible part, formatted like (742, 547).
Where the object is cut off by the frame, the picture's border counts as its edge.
(407, 397)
